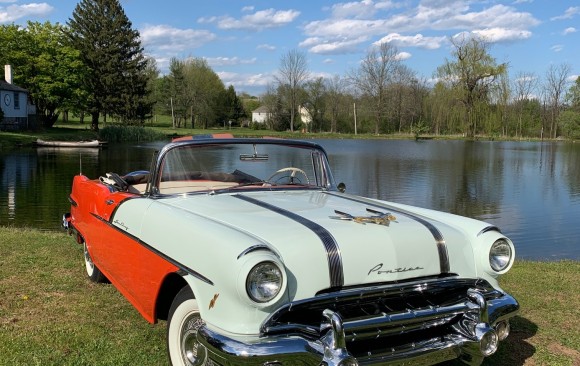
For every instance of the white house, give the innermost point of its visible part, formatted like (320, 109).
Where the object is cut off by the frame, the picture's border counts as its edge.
(261, 115)
(14, 104)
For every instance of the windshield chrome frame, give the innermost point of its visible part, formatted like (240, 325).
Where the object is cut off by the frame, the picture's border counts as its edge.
(326, 180)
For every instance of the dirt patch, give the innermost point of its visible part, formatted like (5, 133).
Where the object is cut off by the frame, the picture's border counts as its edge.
(563, 350)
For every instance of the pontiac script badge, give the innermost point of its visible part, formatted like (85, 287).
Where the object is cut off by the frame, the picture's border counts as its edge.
(378, 269)
(379, 218)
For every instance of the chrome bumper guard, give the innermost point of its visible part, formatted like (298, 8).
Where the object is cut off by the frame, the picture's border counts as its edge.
(474, 334)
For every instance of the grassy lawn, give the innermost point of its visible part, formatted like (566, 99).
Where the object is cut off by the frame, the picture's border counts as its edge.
(50, 314)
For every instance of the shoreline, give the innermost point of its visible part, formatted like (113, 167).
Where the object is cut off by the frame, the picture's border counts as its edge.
(10, 140)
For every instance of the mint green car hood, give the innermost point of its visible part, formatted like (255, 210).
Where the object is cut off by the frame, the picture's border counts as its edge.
(298, 226)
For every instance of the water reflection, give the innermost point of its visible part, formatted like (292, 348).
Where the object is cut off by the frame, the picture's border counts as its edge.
(531, 190)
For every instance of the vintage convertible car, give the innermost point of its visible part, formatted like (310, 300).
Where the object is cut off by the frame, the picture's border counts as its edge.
(254, 256)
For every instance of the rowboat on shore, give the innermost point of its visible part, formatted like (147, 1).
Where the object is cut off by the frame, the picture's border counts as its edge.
(92, 143)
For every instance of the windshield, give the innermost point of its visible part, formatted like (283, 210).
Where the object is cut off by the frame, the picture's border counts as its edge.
(190, 168)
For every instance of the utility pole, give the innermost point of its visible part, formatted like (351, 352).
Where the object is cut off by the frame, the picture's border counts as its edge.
(172, 114)
(354, 104)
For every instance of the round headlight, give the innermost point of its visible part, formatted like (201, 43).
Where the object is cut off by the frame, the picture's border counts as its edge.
(500, 255)
(264, 282)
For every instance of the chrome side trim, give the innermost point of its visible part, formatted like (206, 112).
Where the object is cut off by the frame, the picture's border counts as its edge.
(444, 265)
(255, 248)
(72, 202)
(332, 250)
(489, 228)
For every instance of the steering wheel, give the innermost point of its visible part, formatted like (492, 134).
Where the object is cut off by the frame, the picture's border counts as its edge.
(292, 175)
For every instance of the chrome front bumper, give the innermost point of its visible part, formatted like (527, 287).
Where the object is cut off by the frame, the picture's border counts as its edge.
(478, 326)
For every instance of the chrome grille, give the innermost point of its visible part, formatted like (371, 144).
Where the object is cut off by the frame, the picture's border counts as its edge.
(395, 314)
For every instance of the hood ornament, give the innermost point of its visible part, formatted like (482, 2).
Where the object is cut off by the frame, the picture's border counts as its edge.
(379, 218)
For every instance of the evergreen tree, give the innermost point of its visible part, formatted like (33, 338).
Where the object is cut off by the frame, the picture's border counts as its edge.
(111, 49)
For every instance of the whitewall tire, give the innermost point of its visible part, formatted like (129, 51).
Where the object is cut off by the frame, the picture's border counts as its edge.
(183, 323)
(93, 271)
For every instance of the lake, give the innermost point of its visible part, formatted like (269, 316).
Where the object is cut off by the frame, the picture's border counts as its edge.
(531, 190)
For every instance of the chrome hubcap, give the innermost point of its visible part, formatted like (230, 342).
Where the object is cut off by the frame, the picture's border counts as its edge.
(192, 352)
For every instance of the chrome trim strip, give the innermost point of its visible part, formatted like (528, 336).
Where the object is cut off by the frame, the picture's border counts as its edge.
(489, 228)
(332, 250)
(255, 248)
(444, 265)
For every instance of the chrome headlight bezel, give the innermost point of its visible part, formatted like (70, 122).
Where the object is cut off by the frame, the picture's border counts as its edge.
(264, 282)
(501, 255)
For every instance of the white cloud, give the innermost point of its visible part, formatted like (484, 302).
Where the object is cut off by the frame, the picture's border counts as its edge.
(499, 23)
(265, 46)
(360, 9)
(174, 40)
(229, 61)
(337, 46)
(568, 14)
(257, 21)
(245, 81)
(572, 78)
(495, 35)
(497, 16)
(417, 40)
(328, 61)
(12, 13)
(569, 30)
(402, 56)
(557, 47)
(247, 8)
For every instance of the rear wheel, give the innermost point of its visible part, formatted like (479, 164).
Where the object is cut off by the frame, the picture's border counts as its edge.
(93, 271)
(183, 323)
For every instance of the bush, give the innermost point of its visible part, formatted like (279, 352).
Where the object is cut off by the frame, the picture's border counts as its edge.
(122, 133)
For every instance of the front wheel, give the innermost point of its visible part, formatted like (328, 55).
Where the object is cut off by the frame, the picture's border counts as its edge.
(183, 323)
(93, 272)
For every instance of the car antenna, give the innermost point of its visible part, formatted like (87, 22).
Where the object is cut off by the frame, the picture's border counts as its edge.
(80, 163)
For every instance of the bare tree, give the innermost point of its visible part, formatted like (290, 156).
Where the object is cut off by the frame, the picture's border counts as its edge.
(523, 86)
(292, 73)
(335, 90)
(401, 92)
(555, 83)
(374, 76)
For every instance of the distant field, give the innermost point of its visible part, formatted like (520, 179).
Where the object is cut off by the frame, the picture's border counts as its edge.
(50, 314)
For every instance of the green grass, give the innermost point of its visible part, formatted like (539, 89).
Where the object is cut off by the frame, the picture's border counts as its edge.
(50, 314)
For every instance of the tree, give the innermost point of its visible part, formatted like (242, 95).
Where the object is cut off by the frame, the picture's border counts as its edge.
(111, 50)
(44, 65)
(523, 86)
(472, 71)
(335, 89)
(573, 95)
(292, 73)
(556, 77)
(232, 109)
(315, 102)
(374, 76)
(194, 92)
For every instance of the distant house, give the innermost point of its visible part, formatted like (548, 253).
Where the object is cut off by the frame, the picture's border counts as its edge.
(15, 104)
(261, 115)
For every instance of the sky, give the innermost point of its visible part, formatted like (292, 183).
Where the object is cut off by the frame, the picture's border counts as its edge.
(244, 41)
